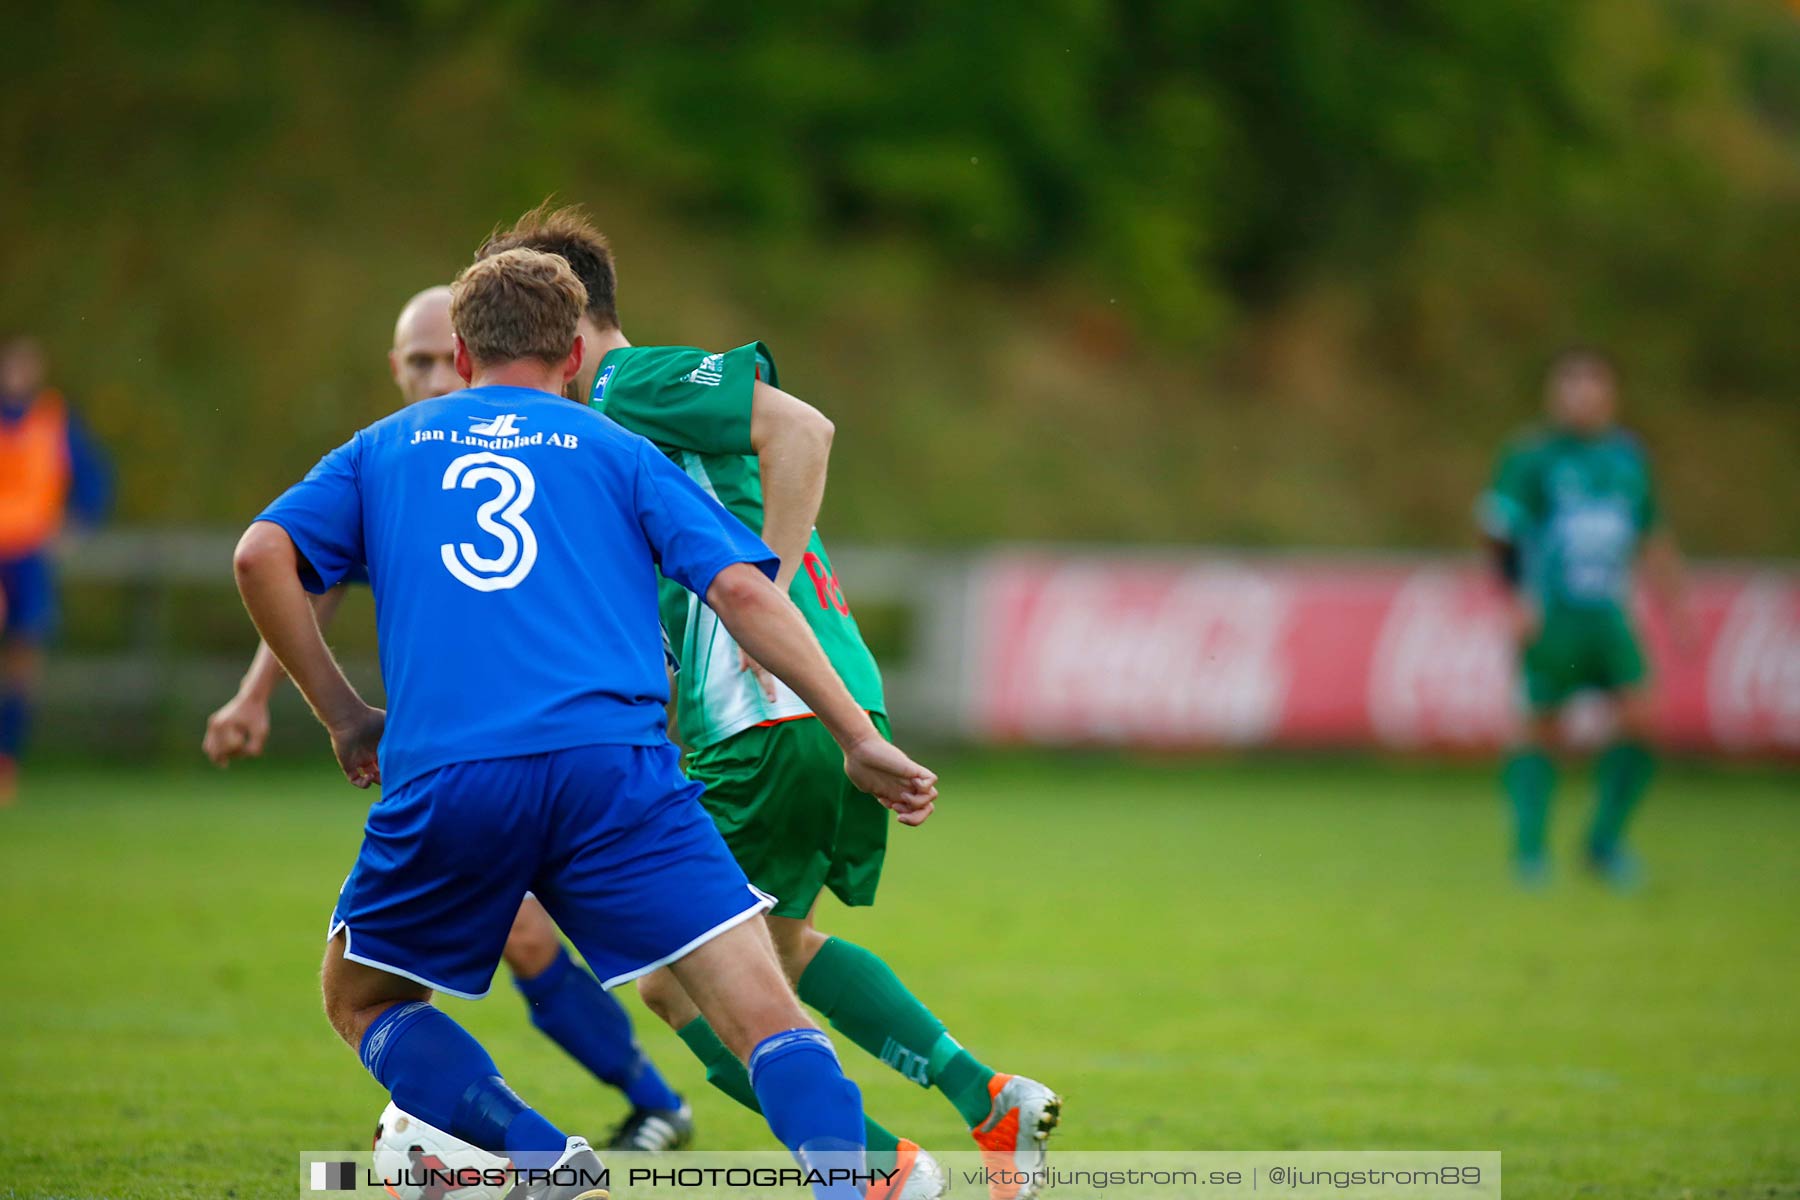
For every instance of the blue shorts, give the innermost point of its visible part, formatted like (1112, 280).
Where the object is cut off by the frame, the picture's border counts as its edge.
(611, 839)
(29, 587)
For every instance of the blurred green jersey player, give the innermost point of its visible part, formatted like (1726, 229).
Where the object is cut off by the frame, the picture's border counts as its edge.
(773, 784)
(1571, 510)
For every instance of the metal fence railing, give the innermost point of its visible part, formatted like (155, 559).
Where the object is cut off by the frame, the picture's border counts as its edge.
(1176, 648)
(174, 642)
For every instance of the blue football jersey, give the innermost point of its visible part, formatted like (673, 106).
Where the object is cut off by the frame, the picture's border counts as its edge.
(512, 539)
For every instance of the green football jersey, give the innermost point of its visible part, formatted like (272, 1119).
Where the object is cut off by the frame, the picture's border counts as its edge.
(695, 407)
(1577, 508)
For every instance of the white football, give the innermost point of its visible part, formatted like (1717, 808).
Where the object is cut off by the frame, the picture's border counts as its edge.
(416, 1161)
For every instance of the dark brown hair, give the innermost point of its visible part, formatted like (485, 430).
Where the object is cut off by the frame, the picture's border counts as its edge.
(568, 232)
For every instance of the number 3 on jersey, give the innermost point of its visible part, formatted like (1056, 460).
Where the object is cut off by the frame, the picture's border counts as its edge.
(502, 517)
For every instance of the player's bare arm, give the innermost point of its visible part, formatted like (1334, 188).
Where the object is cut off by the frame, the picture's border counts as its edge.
(267, 567)
(792, 440)
(1665, 572)
(1505, 559)
(239, 728)
(766, 623)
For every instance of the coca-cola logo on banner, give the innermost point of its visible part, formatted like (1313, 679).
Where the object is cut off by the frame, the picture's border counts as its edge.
(1753, 676)
(1113, 652)
(1442, 671)
(1329, 652)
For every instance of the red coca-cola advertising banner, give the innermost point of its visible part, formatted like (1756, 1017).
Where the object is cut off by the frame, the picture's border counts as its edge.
(1327, 652)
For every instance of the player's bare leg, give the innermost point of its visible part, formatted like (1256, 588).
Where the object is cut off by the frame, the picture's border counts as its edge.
(736, 983)
(569, 1006)
(797, 942)
(356, 994)
(663, 995)
(533, 944)
(1010, 1116)
(401, 1037)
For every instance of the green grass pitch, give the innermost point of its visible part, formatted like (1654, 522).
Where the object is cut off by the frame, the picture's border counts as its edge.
(1258, 955)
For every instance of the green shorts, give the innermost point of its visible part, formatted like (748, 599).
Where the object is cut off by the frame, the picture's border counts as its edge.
(793, 820)
(1580, 649)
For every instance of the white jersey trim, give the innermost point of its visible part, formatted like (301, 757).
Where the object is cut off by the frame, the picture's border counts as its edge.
(391, 969)
(764, 902)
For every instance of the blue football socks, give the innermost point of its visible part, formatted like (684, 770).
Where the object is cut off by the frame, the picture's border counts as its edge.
(15, 719)
(811, 1107)
(440, 1074)
(568, 1004)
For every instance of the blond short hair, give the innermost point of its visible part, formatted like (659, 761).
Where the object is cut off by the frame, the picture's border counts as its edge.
(517, 304)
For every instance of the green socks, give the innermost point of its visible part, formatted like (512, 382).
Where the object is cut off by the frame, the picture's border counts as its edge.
(1621, 776)
(964, 1079)
(725, 1072)
(1529, 777)
(865, 1001)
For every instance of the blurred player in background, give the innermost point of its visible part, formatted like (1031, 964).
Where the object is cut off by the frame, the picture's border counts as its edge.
(567, 1003)
(1571, 511)
(50, 468)
(774, 784)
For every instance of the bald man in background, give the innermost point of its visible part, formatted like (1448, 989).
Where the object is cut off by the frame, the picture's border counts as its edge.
(422, 363)
(423, 360)
(567, 1003)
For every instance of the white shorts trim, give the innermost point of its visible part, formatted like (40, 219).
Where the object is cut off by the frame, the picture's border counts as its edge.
(393, 970)
(764, 902)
